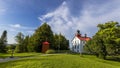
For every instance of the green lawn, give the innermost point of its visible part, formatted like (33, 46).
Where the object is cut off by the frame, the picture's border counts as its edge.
(60, 61)
(3, 55)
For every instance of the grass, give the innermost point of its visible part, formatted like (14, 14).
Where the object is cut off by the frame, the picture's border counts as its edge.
(4, 55)
(60, 61)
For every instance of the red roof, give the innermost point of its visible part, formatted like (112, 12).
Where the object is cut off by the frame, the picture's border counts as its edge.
(84, 38)
(46, 43)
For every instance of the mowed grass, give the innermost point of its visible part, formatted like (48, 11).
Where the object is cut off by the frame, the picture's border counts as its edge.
(5, 55)
(60, 61)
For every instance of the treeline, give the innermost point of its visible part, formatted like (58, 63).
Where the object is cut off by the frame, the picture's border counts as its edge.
(106, 41)
(34, 42)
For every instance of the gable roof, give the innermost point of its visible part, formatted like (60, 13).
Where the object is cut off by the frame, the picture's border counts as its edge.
(80, 37)
(83, 38)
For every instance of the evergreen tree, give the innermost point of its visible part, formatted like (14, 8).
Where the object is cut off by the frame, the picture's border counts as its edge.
(3, 42)
(31, 44)
(25, 44)
(42, 34)
(60, 42)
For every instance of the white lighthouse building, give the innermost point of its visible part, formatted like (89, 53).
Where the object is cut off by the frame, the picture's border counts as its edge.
(78, 42)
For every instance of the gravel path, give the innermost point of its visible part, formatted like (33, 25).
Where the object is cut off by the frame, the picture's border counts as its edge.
(7, 59)
(17, 58)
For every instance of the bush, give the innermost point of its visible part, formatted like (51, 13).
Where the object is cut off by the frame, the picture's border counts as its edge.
(63, 51)
(50, 51)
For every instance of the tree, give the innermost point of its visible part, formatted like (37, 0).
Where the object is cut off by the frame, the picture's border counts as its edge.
(110, 32)
(25, 44)
(20, 40)
(106, 40)
(89, 47)
(56, 42)
(35, 41)
(60, 42)
(3, 42)
(64, 43)
(31, 44)
(42, 34)
(100, 49)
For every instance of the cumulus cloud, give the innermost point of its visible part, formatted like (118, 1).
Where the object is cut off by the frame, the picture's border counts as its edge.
(61, 20)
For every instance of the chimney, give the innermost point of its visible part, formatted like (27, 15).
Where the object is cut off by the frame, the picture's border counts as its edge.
(85, 35)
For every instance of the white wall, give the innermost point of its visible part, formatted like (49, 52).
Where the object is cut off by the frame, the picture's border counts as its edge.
(77, 45)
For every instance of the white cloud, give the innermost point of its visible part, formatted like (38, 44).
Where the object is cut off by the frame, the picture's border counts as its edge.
(61, 20)
(16, 25)
(13, 29)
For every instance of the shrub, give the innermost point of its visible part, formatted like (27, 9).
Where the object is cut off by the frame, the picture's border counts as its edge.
(9, 51)
(50, 51)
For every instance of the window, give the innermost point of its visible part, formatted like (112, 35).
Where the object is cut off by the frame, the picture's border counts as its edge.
(78, 47)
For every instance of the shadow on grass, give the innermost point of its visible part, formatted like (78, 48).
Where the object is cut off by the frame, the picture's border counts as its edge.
(113, 59)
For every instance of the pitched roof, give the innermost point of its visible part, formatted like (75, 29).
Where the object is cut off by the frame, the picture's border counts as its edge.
(80, 37)
(83, 38)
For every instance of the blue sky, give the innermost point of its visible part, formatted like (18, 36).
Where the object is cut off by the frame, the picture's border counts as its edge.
(64, 16)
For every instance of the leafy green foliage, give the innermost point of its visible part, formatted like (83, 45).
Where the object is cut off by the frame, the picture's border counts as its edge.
(10, 48)
(60, 42)
(20, 40)
(106, 40)
(31, 44)
(25, 44)
(111, 36)
(50, 51)
(34, 42)
(42, 34)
